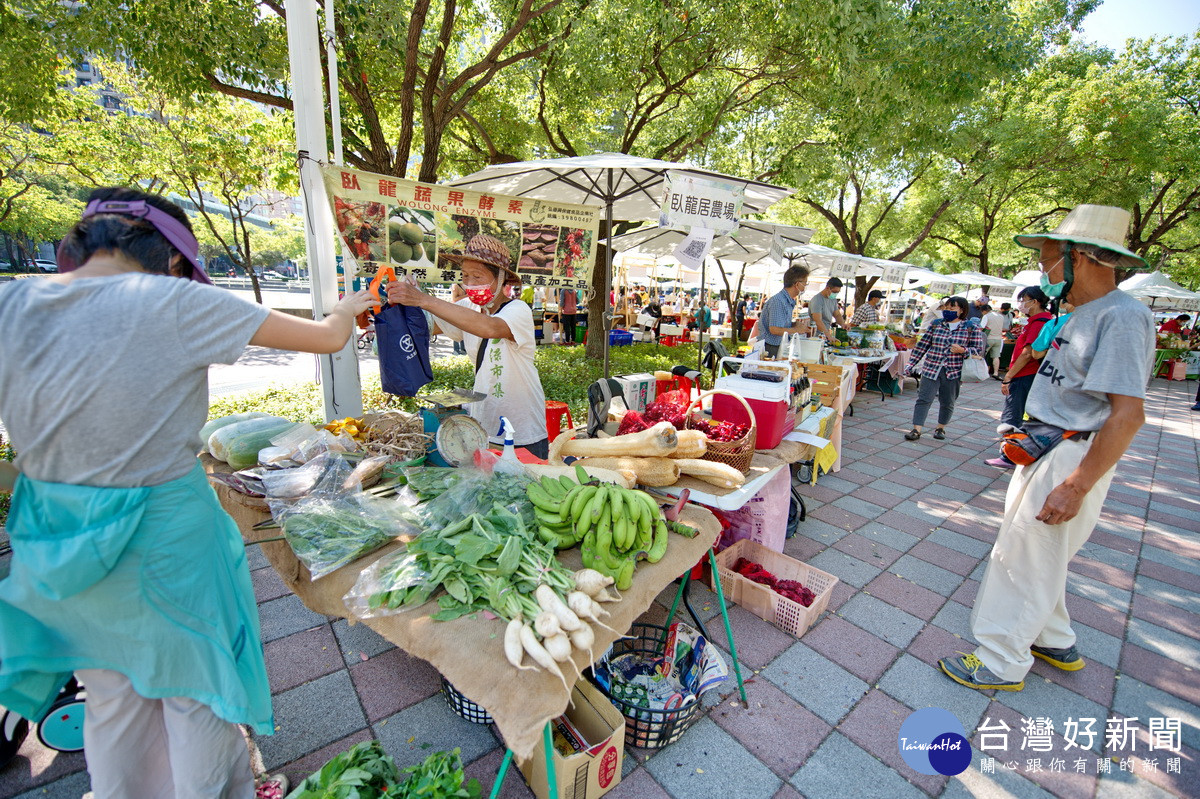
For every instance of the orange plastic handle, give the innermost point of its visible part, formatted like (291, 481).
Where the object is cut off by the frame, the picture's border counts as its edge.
(385, 273)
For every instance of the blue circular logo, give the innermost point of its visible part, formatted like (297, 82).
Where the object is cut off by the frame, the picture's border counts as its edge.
(933, 741)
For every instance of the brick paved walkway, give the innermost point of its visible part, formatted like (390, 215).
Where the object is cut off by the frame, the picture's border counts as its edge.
(907, 527)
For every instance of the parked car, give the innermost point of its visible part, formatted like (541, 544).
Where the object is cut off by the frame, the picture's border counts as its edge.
(45, 266)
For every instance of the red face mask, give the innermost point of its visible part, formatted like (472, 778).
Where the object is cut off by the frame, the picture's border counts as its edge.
(481, 295)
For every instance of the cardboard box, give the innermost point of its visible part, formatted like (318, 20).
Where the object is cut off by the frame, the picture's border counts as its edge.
(590, 773)
(638, 390)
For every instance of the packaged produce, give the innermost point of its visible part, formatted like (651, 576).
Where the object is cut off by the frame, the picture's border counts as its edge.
(220, 439)
(327, 532)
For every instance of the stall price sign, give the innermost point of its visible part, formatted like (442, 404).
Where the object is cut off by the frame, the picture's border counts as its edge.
(843, 268)
(691, 202)
(941, 287)
(412, 228)
(894, 275)
(777, 248)
(1189, 304)
(691, 251)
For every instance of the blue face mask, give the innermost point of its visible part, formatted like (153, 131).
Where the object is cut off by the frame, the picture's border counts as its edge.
(1052, 290)
(950, 316)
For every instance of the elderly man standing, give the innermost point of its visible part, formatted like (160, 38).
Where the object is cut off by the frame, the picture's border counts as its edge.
(1092, 380)
(777, 312)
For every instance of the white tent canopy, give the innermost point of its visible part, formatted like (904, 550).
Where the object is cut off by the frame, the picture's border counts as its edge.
(979, 279)
(751, 242)
(1159, 291)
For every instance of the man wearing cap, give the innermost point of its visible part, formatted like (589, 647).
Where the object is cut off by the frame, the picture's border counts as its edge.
(868, 312)
(979, 307)
(777, 312)
(499, 336)
(824, 308)
(1092, 380)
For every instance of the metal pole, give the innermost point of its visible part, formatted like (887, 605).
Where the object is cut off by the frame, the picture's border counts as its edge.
(606, 317)
(339, 371)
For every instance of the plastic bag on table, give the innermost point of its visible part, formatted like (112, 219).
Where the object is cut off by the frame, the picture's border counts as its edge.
(478, 492)
(328, 531)
(764, 518)
(389, 586)
(325, 474)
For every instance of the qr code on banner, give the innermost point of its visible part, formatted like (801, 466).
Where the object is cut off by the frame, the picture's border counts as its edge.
(694, 249)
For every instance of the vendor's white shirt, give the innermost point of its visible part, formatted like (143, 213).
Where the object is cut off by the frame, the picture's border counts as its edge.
(508, 376)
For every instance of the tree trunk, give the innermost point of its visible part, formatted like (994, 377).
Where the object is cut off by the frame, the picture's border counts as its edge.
(597, 335)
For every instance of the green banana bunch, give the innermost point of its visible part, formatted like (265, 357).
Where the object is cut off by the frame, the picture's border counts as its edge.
(614, 526)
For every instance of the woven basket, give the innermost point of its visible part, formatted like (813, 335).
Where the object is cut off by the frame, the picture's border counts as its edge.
(737, 453)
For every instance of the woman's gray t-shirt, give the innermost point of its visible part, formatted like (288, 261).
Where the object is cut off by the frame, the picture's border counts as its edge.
(104, 381)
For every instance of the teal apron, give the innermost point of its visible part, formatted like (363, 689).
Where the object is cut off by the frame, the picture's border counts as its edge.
(149, 582)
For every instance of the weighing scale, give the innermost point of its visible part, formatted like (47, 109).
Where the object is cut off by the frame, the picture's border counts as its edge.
(455, 435)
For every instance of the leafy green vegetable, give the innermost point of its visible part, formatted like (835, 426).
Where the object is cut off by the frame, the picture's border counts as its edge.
(365, 772)
(484, 562)
(327, 533)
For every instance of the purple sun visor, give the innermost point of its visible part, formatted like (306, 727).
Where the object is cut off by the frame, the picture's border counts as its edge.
(171, 228)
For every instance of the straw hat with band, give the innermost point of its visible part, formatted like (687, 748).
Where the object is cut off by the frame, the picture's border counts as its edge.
(491, 251)
(1098, 225)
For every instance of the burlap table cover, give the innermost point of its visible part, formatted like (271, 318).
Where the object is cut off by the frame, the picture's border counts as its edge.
(469, 652)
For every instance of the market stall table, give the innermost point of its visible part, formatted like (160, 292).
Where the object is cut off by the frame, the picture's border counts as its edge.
(523, 702)
(881, 362)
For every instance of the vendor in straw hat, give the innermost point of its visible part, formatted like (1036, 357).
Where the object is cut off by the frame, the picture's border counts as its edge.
(1092, 380)
(499, 336)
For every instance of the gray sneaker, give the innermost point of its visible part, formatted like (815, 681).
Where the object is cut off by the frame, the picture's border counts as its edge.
(969, 670)
(1066, 659)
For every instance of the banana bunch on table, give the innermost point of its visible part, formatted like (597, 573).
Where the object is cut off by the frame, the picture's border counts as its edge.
(614, 526)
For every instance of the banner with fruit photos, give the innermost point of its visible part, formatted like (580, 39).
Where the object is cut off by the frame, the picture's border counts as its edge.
(417, 229)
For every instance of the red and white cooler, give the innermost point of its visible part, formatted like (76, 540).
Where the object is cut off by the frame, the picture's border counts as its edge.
(766, 386)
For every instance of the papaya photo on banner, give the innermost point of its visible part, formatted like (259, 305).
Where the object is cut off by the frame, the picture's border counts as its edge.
(413, 227)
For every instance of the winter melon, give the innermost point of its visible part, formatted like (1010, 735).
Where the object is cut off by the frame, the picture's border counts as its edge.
(242, 451)
(216, 424)
(218, 442)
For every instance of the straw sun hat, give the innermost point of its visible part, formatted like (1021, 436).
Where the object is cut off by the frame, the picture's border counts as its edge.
(491, 251)
(1099, 225)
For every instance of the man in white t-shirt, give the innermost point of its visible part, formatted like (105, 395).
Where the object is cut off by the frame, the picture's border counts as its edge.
(498, 334)
(993, 325)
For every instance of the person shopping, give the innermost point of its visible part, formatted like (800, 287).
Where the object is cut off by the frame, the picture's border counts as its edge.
(568, 309)
(994, 324)
(940, 354)
(125, 569)
(1022, 368)
(1091, 385)
(498, 333)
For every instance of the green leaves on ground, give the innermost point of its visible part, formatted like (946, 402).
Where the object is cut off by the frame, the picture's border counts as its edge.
(365, 772)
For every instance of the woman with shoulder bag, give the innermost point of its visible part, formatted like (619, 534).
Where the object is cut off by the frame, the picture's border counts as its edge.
(939, 357)
(1022, 369)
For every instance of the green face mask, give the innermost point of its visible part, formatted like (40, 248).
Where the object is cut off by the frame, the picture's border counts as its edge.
(1052, 290)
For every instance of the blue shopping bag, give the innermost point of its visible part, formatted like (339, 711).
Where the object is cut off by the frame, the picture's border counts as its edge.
(402, 335)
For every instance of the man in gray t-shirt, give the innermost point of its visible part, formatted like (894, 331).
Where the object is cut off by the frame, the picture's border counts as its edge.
(824, 308)
(1092, 380)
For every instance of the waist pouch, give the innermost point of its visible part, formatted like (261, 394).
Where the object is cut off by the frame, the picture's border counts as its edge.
(1024, 446)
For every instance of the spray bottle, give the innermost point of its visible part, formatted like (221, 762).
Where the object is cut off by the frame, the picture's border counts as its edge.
(508, 459)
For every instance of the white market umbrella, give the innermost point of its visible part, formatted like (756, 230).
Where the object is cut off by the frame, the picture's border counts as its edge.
(627, 187)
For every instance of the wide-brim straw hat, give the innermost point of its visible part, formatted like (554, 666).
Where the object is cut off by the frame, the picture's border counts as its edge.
(1100, 225)
(488, 249)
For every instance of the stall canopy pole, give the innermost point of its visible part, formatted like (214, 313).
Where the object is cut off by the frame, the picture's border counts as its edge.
(700, 318)
(342, 392)
(606, 317)
(335, 95)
